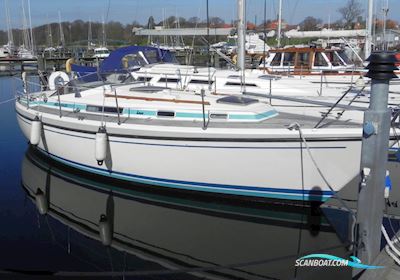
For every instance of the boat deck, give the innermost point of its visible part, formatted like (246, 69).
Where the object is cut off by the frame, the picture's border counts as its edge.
(283, 120)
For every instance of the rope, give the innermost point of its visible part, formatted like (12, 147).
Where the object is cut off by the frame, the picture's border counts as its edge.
(390, 248)
(8, 100)
(297, 126)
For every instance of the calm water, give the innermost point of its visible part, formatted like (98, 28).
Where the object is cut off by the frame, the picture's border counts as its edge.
(153, 236)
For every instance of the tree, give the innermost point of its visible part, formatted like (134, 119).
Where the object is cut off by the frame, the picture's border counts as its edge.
(310, 24)
(151, 23)
(216, 22)
(350, 12)
(251, 26)
(193, 21)
(392, 24)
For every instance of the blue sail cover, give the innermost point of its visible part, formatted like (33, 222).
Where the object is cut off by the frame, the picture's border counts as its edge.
(140, 56)
(85, 73)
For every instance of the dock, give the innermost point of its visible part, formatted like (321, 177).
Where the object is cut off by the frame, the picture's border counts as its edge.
(390, 272)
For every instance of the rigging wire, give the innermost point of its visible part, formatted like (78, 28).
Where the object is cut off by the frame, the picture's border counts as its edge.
(294, 9)
(8, 100)
(108, 10)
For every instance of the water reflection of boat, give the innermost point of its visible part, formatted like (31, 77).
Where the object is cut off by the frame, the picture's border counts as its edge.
(181, 233)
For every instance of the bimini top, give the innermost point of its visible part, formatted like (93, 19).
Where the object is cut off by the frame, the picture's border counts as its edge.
(123, 60)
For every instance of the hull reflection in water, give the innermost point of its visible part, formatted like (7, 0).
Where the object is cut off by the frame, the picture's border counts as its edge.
(179, 233)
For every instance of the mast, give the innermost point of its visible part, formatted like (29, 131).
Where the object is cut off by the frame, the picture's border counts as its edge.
(385, 11)
(265, 32)
(30, 28)
(280, 23)
(10, 36)
(208, 44)
(368, 38)
(25, 34)
(104, 44)
(62, 39)
(90, 34)
(50, 34)
(241, 30)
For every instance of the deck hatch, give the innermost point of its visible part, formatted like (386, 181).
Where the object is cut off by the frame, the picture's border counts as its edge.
(237, 100)
(147, 89)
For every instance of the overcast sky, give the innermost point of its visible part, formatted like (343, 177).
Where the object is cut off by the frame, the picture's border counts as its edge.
(127, 11)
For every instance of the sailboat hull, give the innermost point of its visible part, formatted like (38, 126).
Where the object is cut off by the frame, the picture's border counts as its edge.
(274, 168)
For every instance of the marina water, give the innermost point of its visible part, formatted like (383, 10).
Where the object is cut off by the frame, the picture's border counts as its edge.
(147, 235)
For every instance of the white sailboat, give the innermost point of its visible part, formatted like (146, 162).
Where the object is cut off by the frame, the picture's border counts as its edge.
(26, 51)
(220, 145)
(61, 37)
(229, 145)
(7, 50)
(50, 49)
(102, 51)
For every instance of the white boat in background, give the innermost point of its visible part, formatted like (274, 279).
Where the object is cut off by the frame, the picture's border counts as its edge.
(308, 60)
(254, 45)
(24, 53)
(101, 52)
(7, 50)
(4, 52)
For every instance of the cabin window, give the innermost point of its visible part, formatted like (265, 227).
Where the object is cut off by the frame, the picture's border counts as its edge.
(276, 61)
(144, 79)
(239, 84)
(132, 60)
(320, 60)
(303, 59)
(169, 80)
(165, 114)
(201, 82)
(334, 59)
(99, 109)
(219, 116)
(151, 56)
(288, 59)
(344, 57)
(236, 100)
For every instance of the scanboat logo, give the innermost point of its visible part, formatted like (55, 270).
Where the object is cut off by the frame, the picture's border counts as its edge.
(318, 260)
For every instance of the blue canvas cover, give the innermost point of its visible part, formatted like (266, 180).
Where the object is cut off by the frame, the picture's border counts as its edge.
(85, 73)
(141, 55)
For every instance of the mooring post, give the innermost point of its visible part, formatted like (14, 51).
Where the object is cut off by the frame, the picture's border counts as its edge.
(374, 155)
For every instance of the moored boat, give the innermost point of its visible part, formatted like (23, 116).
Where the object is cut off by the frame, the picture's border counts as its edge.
(230, 145)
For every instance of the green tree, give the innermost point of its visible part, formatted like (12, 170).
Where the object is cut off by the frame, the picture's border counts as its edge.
(310, 24)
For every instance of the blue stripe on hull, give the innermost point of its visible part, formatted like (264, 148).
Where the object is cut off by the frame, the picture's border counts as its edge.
(274, 193)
